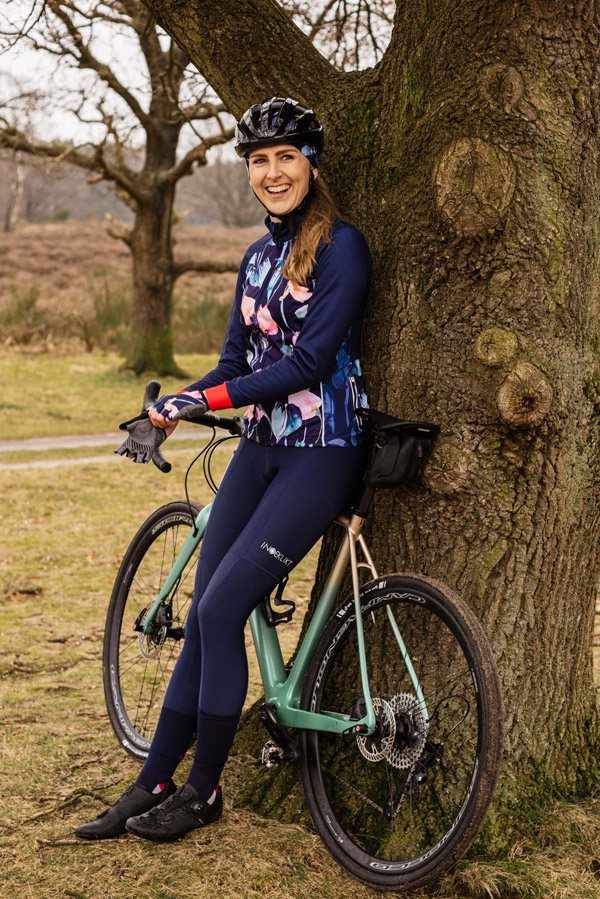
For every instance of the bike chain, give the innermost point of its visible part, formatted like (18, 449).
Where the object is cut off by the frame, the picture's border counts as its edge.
(353, 790)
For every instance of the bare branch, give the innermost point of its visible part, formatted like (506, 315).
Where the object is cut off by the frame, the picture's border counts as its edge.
(196, 155)
(278, 58)
(86, 60)
(94, 161)
(180, 268)
(117, 229)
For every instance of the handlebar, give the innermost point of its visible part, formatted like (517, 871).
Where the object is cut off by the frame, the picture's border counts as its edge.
(211, 419)
(143, 443)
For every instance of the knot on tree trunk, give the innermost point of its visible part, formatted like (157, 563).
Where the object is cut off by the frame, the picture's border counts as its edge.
(451, 468)
(496, 345)
(525, 397)
(503, 86)
(474, 183)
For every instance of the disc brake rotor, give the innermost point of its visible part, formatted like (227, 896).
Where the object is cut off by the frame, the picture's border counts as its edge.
(150, 644)
(404, 756)
(377, 747)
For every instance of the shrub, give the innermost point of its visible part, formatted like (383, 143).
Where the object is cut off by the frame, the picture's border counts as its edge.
(60, 214)
(107, 325)
(199, 324)
(21, 321)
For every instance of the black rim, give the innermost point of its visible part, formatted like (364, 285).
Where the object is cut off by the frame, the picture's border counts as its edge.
(140, 665)
(399, 803)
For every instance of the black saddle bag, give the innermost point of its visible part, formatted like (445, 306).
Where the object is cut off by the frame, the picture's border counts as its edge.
(400, 457)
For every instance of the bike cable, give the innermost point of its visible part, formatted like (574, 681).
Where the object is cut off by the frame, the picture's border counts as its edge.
(207, 451)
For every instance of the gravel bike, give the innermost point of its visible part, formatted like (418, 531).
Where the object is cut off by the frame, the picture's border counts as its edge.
(393, 698)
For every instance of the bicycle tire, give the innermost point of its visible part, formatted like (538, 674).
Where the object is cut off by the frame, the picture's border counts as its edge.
(137, 668)
(398, 810)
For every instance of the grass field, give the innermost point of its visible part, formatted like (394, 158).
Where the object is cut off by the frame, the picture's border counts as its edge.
(64, 531)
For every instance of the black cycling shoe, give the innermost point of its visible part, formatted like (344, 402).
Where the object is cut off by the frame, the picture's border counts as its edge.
(176, 816)
(111, 822)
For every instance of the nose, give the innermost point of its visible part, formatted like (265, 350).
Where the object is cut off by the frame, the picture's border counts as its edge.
(274, 169)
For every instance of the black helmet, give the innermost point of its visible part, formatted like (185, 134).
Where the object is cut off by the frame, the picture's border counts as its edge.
(277, 121)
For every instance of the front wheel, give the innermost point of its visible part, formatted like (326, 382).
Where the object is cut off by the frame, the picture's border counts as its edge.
(137, 666)
(400, 807)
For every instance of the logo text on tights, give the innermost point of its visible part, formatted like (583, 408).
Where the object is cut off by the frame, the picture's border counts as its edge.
(275, 552)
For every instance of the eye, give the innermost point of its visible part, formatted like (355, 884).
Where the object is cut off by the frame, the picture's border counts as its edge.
(257, 160)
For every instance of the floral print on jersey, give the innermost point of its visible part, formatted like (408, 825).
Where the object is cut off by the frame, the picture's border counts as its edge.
(273, 311)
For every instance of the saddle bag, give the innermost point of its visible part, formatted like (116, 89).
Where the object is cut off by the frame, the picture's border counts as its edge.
(400, 457)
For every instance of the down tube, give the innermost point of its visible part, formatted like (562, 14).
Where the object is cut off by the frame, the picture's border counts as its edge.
(191, 543)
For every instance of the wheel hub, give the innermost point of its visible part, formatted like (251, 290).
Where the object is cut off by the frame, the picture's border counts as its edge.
(410, 730)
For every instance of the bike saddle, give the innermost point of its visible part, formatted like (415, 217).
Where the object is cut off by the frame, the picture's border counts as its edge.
(382, 423)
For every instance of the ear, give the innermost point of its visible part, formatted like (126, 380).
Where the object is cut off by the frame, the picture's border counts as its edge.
(315, 172)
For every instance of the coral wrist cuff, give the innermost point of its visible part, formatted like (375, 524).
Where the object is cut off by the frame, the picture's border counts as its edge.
(218, 397)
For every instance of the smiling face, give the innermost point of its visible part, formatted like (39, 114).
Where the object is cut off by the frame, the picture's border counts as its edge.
(280, 177)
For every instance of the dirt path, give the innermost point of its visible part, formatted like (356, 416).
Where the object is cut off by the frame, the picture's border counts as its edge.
(109, 439)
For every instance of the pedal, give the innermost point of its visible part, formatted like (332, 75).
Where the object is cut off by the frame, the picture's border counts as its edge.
(271, 755)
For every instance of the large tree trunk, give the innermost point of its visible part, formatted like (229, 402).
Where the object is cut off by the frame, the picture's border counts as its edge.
(152, 254)
(151, 247)
(469, 157)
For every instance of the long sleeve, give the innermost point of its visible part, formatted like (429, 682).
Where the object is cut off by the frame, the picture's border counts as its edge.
(232, 361)
(341, 279)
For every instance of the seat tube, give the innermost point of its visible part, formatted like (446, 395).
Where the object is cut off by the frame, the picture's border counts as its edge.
(354, 528)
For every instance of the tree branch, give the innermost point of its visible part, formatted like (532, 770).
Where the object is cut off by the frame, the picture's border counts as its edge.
(95, 161)
(196, 154)
(86, 60)
(246, 49)
(180, 268)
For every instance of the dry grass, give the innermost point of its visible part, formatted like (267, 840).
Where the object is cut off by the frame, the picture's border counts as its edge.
(48, 394)
(79, 279)
(61, 258)
(60, 761)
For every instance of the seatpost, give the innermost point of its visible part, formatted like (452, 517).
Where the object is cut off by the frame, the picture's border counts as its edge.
(364, 502)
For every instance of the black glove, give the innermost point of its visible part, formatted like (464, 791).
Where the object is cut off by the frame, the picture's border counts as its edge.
(143, 444)
(144, 440)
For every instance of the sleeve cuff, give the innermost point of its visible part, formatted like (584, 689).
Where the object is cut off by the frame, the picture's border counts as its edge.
(218, 398)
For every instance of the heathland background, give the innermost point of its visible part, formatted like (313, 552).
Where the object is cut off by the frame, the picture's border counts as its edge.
(67, 516)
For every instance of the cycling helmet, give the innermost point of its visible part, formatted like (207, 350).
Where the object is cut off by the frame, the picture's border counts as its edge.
(277, 121)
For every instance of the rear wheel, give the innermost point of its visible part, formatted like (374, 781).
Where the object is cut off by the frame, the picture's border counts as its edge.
(138, 666)
(400, 807)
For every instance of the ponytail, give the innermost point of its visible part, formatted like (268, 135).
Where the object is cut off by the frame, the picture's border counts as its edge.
(315, 227)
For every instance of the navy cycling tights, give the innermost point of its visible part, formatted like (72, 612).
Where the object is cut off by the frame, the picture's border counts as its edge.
(272, 506)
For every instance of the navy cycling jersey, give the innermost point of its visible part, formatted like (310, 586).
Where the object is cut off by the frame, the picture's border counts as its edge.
(292, 353)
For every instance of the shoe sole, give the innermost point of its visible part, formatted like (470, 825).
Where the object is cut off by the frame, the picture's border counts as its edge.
(157, 838)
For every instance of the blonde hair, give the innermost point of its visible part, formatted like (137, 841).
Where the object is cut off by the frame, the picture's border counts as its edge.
(316, 226)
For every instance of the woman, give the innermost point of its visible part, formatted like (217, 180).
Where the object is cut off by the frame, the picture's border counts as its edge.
(291, 353)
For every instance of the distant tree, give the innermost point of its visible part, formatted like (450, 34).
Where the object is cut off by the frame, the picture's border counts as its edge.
(136, 113)
(227, 194)
(16, 181)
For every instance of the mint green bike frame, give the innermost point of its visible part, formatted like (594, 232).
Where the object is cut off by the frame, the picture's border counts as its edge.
(283, 689)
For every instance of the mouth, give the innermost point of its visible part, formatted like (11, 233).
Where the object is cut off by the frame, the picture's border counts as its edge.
(279, 191)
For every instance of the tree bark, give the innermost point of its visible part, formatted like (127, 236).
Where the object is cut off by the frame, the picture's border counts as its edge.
(15, 194)
(469, 158)
(151, 249)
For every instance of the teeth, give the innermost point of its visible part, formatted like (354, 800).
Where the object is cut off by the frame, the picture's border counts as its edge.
(277, 190)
